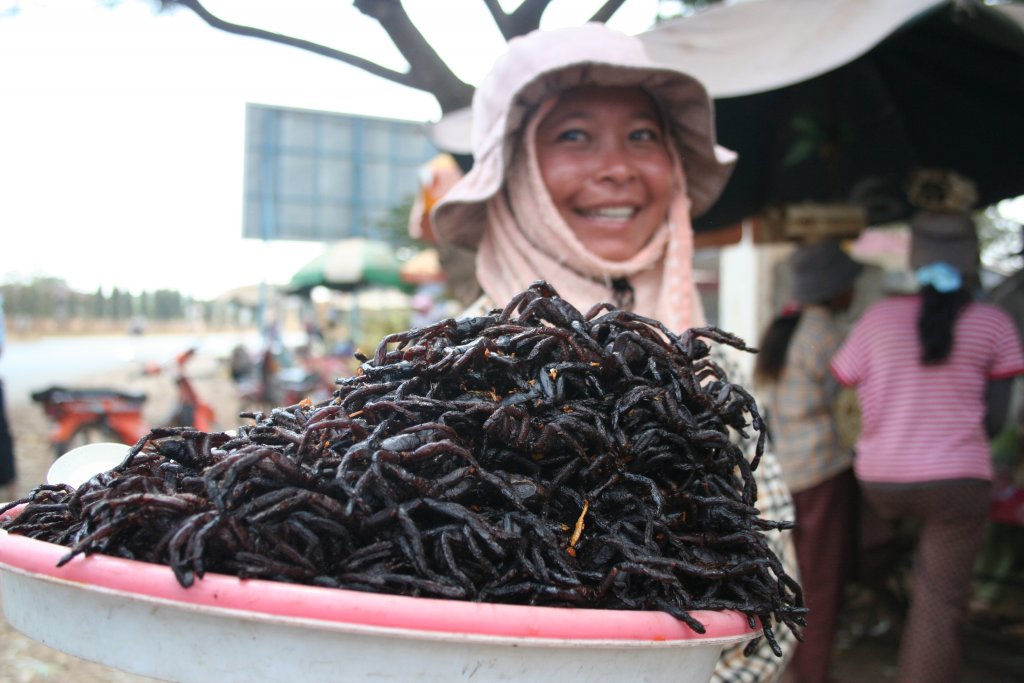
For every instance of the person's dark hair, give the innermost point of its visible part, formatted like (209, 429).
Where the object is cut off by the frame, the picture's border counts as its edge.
(935, 324)
(771, 354)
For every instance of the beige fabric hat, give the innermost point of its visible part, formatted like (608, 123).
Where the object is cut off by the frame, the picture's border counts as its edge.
(544, 63)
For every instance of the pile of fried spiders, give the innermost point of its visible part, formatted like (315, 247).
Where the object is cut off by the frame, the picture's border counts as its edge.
(536, 455)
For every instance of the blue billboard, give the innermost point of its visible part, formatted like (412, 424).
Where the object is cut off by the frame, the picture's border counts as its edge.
(323, 176)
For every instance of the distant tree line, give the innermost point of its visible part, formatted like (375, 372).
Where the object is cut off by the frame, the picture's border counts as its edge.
(53, 299)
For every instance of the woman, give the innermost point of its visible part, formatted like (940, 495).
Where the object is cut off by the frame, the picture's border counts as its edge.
(619, 218)
(589, 162)
(932, 372)
(799, 396)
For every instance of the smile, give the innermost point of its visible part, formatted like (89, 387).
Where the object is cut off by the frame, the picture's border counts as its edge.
(615, 213)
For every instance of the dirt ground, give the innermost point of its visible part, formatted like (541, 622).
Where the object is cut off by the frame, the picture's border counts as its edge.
(23, 660)
(866, 649)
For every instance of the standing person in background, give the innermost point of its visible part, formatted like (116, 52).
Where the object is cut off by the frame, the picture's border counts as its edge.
(999, 565)
(7, 468)
(1009, 295)
(798, 394)
(932, 372)
(589, 162)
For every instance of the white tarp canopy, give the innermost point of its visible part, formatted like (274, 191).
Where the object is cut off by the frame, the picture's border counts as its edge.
(750, 47)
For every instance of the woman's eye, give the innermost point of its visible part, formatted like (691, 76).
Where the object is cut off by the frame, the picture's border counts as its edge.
(646, 135)
(572, 135)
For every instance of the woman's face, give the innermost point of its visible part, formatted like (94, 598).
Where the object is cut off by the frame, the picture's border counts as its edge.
(603, 158)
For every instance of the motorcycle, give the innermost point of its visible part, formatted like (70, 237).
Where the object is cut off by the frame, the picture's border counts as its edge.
(92, 415)
(285, 378)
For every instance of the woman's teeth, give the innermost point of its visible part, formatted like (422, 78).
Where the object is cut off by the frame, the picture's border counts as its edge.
(612, 212)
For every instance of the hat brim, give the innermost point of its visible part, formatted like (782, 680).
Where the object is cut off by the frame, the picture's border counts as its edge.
(459, 218)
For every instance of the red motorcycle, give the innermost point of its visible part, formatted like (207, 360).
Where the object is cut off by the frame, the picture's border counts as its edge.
(83, 416)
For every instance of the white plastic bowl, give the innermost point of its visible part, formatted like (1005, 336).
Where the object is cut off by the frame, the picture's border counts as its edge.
(81, 464)
(134, 616)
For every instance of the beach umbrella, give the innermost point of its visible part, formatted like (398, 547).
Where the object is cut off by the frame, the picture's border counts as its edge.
(348, 265)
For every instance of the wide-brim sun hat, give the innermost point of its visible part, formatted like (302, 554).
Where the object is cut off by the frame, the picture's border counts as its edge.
(546, 62)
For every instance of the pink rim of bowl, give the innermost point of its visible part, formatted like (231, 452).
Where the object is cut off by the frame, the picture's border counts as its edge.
(378, 610)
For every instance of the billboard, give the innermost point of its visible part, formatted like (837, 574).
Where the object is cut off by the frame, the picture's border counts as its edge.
(322, 176)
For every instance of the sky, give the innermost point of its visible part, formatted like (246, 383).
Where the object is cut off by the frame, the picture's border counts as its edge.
(122, 130)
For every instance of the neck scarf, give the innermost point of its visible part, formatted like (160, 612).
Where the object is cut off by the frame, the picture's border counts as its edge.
(526, 239)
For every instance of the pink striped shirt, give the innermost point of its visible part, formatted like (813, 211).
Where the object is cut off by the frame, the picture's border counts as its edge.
(925, 422)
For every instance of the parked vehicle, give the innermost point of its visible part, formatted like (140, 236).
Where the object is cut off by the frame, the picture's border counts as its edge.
(284, 378)
(92, 415)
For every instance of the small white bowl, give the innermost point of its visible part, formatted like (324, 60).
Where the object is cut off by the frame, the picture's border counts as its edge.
(81, 464)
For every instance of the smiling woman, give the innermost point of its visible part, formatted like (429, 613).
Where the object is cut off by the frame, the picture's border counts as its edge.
(590, 162)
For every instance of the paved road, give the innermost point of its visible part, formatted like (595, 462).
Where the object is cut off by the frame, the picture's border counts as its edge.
(27, 366)
(22, 659)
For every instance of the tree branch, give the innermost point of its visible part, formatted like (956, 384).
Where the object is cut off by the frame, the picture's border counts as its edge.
(427, 71)
(526, 17)
(499, 16)
(367, 65)
(426, 68)
(605, 12)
